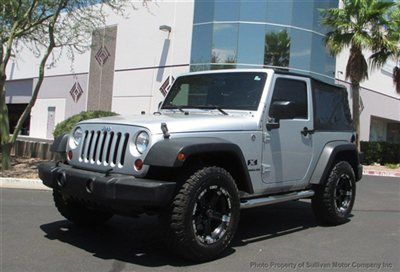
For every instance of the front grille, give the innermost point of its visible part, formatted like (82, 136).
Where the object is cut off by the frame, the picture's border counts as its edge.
(104, 148)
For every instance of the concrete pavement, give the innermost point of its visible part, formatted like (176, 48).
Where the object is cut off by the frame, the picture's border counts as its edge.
(285, 237)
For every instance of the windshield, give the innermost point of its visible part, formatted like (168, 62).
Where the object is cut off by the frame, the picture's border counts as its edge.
(236, 91)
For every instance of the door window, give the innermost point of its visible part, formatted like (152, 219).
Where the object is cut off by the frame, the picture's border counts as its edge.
(292, 90)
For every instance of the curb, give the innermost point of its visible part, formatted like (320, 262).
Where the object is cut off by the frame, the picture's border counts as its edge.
(381, 173)
(15, 183)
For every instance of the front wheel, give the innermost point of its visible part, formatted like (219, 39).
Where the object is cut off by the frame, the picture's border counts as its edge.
(205, 214)
(334, 200)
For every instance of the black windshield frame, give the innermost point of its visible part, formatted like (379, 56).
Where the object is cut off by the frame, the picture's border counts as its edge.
(227, 91)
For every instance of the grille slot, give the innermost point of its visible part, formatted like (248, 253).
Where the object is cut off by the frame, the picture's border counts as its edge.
(104, 148)
(124, 147)
(116, 149)
(109, 147)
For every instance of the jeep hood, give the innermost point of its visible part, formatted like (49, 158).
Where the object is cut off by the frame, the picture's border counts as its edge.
(178, 122)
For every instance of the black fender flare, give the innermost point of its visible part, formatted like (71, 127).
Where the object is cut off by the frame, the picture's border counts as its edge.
(60, 144)
(328, 157)
(165, 153)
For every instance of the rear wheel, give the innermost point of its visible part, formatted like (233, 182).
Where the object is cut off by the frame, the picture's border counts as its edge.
(205, 214)
(78, 213)
(333, 201)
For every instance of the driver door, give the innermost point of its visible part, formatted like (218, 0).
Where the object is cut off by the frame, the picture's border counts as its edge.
(287, 150)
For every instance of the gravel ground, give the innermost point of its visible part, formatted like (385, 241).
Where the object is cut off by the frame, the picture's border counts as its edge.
(22, 168)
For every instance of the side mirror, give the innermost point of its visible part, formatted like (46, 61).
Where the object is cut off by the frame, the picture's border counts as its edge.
(282, 110)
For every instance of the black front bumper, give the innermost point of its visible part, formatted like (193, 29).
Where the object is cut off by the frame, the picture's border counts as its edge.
(115, 191)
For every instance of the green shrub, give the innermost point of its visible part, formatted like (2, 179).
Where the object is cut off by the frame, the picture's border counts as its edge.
(67, 125)
(391, 166)
(381, 152)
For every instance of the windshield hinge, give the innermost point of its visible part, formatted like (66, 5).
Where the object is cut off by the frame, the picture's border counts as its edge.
(164, 130)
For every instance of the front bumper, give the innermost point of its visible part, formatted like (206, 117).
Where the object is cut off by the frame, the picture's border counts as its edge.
(115, 191)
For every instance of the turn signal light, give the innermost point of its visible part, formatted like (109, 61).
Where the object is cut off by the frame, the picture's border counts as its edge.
(138, 164)
(181, 157)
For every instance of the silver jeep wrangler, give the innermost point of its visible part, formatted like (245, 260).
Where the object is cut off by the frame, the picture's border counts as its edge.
(220, 142)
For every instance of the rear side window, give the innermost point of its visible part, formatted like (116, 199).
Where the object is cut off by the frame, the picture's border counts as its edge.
(331, 107)
(292, 90)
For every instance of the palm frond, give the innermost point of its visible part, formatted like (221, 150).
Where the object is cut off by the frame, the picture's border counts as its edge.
(336, 41)
(379, 58)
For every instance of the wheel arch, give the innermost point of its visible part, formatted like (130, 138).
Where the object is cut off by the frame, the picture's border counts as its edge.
(207, 150)
(331, 153)
(60, 144)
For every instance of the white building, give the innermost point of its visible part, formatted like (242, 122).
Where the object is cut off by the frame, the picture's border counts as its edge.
(129, 71)
(139, 58)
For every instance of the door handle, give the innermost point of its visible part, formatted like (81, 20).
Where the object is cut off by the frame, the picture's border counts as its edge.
(306, 131)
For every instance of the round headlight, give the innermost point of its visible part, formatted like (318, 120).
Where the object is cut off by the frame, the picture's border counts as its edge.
(77, 135)
(142, 141)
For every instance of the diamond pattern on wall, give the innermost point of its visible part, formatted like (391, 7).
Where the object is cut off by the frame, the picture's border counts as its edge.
(164, 89)
(102, 55)
(76, 92)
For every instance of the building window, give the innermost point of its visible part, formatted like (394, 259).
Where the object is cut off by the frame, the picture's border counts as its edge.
(393, 132)
(226, 10)
(203, 11)
(14, 112)
(224, 46)
(250, 34)
(280, 12)
(251, 44)
(201, 44)
(277, 47)
(378, 130)
(253, 11)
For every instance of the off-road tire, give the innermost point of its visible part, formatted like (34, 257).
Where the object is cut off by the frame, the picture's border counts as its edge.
(78, 213)
(183, 234)
(324, 203)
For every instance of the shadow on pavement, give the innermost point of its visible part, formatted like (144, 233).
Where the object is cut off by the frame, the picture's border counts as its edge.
(139, 240)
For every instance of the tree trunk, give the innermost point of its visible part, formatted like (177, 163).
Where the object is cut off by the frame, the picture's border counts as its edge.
(5, 156)
(355, 89)
(4, 128)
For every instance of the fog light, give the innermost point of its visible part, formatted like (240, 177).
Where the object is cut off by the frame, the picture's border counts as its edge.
(138, 164)
(70, 155)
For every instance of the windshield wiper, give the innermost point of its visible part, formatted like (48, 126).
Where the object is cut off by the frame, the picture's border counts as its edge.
(213, 107)
(180, 108)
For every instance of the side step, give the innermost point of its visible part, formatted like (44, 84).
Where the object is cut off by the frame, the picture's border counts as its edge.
(263, 201)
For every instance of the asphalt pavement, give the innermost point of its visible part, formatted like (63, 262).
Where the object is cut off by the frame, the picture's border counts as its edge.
(283, 237)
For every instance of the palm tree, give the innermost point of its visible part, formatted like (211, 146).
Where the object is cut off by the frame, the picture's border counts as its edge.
(390, 48)
(357, 25)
